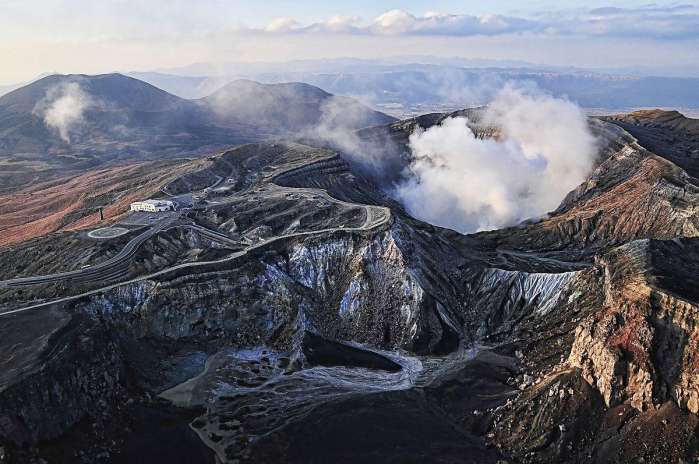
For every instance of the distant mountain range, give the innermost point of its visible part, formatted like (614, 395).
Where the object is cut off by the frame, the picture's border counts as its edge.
(358, 65)
(408, 86)
(405, 88)
(71, 122)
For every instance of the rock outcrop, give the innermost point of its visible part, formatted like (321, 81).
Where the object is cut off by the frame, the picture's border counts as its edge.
(74, 371)
(349, 288)
(641, 346)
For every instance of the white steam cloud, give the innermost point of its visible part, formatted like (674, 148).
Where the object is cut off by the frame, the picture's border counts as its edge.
(63, 108)
(468, 183)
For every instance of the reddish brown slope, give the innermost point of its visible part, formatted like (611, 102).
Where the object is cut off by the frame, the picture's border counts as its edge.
(666, 133)
(72, 203)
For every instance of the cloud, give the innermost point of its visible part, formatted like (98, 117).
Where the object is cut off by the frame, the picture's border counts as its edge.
(337, 24)
(395, 22)
(282, 25)
(674, 22)
(99, 37)
(63, 108)
(401, 22)
(614, 11)
(470, 183)
(333, 25)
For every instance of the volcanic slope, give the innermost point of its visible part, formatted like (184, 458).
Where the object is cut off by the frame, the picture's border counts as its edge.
(607, 371)
(71, 123)
(308, 252)
(668, 133)
(344, 329)
(73, 202)
(306, 107)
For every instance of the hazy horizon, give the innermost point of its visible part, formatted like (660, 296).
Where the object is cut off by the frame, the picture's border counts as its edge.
(75, 36)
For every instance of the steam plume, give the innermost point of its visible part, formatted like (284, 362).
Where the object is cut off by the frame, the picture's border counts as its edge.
(466, 183)
(63, 108)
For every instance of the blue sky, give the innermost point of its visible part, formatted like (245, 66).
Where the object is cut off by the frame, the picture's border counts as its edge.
(101, 36)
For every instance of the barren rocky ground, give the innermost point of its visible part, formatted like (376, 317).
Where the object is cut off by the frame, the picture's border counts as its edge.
(301, 315)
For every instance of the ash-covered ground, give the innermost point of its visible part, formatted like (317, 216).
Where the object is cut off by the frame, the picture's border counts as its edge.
(291, 311)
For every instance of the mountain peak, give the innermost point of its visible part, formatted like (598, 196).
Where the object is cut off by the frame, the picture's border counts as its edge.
(115, 90)
(291, 106)
(254, 89)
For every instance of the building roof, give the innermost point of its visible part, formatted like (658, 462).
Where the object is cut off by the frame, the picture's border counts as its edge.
(155, 202)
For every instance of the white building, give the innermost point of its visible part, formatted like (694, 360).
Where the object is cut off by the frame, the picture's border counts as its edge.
(153, 206)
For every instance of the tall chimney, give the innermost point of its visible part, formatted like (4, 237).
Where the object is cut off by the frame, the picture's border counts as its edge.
(101, 214)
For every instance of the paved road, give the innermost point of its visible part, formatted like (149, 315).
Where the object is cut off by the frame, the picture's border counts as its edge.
(117, 265)
(208, 233)
(375, 216)
(97, 270)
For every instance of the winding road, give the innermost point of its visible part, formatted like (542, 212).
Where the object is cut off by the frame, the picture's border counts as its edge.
(375, 216)
(101, 270)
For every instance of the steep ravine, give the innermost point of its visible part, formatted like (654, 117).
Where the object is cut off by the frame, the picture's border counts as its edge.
(261, 298)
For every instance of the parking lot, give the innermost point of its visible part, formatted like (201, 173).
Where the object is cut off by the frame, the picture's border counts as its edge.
(143, 218)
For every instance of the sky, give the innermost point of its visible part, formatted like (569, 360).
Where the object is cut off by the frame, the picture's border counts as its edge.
(87, 36)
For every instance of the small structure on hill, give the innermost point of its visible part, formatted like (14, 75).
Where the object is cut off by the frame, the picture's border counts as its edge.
(153, 206)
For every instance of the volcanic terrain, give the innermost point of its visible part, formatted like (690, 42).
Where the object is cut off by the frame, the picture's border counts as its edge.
(290, 311)
(68, 124)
